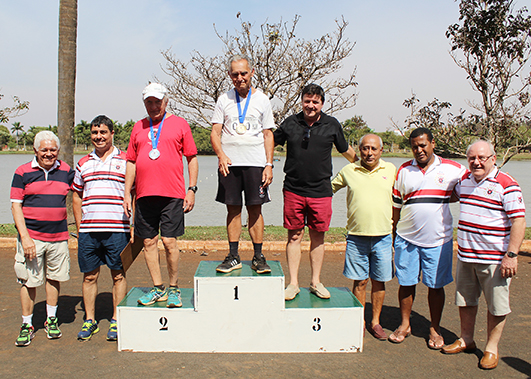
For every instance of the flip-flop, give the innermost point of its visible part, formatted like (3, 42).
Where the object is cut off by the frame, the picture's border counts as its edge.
(432, 342)
(394, 337)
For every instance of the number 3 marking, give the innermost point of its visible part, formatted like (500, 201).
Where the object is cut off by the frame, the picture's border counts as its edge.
(317, 326)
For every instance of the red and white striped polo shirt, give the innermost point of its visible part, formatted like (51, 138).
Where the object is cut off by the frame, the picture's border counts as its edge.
(424, 200)
(484, 222)
(102, 185)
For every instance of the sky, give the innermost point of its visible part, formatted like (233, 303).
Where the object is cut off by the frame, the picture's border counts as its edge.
(400, 49)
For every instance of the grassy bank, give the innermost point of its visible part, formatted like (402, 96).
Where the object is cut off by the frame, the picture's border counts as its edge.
(219, 233)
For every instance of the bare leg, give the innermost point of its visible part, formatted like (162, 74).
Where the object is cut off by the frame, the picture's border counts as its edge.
(53, 287)
(359, 290)
(119, 289)
(172, 259)
(468, 320)
(317, 251)
(234, 222)
(256, 223)
(495, 326)
(90, 291)
(377, 300)
(293, 254)
(436, 298)
(27, 299)
(406, 297)
(151, 252)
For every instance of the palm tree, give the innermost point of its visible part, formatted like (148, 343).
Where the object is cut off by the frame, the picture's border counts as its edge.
(66, 99)
(17, 129)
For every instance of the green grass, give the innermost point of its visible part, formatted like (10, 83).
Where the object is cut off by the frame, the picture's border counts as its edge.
(219, 233)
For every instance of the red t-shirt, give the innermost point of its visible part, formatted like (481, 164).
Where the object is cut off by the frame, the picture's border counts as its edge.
(162, 176)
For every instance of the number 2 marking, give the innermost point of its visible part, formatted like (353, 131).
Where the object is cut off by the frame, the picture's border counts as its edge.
(317, 326)
(164, 322)
(236, 293)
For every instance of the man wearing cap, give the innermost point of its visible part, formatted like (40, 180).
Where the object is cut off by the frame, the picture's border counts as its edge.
(38, 204)
(310, 136)
(369, 252)
(490, 232)
(102, 225)
(243, 141)
(155, 166)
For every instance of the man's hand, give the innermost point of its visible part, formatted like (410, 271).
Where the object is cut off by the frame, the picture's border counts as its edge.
(509, 267)
(267, 176)
(28, 245)
(128, 205)
(224, 162)
(189, 201)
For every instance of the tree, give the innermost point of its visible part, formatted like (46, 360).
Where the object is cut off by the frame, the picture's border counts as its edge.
(354, 128)
(19, 107)
(491, 43)
(283, 65)
(17, 129)
(66, 88)
(5, 136)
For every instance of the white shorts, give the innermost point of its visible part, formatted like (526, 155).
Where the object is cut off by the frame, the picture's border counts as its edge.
(52, 261)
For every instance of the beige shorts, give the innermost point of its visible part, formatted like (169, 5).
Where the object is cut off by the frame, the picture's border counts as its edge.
(52, 261)
(474, 278)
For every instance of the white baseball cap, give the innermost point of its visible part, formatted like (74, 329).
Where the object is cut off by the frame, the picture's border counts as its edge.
(156, 90)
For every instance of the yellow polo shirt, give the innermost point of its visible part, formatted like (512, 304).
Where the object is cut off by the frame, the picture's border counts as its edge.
(369, 198)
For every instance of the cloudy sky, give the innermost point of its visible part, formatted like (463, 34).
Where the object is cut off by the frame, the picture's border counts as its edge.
(400, 48)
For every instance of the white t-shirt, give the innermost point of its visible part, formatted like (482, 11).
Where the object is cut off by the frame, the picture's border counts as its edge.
(245, 149)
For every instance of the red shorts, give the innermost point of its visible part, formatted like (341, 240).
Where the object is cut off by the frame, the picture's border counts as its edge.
(299, 211)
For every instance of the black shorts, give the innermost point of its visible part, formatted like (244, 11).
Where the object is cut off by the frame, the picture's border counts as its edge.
(153, 212)
(246, 179)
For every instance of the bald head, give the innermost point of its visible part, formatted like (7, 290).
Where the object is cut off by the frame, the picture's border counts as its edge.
(371, 148)
(481, 159)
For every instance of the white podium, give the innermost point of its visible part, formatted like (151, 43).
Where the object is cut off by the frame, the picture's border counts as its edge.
(242, 312)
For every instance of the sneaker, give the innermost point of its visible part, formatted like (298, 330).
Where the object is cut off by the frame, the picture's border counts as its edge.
(112, 334)
(51, 325)
(153, 296)
(291, 291)
(27, 332)
(320, 291)
(260, 265)
(88, 330)
(230, 263)
(174, 298)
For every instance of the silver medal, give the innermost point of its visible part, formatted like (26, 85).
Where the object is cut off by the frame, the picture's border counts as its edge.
(241, 129)
(154, 154)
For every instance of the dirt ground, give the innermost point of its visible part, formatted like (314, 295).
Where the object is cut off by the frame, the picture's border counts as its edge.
(67, 357)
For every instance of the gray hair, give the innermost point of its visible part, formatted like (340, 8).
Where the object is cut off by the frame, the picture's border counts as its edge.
(371, 134)
(239, 57)
(45, 135)
(491, 147)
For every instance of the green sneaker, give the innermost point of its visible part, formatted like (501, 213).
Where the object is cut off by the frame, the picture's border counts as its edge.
(153, 296)
(174, 298)
(51, 325)
(27, 332)
(89, 328)
(112, 334)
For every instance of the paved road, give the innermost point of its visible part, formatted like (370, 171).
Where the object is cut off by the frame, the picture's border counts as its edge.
(67, 357)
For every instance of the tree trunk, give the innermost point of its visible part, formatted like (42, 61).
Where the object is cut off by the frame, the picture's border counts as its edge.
(66, 88)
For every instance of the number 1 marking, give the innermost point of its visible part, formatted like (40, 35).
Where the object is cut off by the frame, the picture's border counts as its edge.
(236, 293)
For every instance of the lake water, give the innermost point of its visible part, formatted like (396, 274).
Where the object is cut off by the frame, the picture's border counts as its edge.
(208, 212)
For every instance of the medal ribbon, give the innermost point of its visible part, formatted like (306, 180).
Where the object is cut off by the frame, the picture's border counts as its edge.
(241, 115)
(155, 141)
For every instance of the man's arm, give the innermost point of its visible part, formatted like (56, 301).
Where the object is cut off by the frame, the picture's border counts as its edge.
(27, 242)
(396, 217)
(350, 154)
(269, 145)
(509, 266)
(77, 199)
(193, 170)
(130, 174)
(215, 139)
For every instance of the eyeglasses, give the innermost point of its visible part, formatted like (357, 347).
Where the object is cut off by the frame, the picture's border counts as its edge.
(306, 137)
(481, 159)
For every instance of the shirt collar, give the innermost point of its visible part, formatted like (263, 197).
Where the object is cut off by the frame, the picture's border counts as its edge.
(35, 164)
(113, 154)
(437, 161)
(358, 166)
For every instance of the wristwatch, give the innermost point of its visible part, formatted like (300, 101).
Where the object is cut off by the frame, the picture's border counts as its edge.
(512, 254)
(193, 189)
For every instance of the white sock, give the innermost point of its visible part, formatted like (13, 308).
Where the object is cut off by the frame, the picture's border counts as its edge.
(27, 319)
(51, 310)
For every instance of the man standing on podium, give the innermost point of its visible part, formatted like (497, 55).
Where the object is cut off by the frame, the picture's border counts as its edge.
(102, 225)
(242, 138)
(155, 166)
